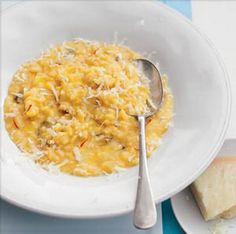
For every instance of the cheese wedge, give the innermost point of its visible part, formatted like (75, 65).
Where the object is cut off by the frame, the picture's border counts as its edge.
(215, 189)
(229, 213)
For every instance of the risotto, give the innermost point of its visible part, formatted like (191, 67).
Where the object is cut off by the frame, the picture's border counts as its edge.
(73, 108)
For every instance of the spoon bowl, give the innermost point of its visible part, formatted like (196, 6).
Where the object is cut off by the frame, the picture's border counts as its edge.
(150, 71)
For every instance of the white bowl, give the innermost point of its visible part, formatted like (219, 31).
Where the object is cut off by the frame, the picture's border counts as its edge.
(198, 80)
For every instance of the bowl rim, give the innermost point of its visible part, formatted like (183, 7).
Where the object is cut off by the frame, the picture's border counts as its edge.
(188, 181)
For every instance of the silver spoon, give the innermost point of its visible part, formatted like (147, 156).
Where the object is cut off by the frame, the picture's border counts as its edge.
(145, 216)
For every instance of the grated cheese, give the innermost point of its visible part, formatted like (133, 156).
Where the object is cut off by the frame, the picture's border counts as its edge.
(30, 140)
(142, 22)
(120, 169)
(54, 93)
(20, 95)
(52, 168)
(64, 78)
(219, 228)
(10, 114)
(65, 121)
(18, 77)
(77, 154)
(51, 132)
(131, 157)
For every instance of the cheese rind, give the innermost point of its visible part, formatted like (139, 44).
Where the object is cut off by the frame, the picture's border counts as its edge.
(215, 189)
(229, 213)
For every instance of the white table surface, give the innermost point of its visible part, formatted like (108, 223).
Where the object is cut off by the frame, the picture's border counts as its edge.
(217, 18)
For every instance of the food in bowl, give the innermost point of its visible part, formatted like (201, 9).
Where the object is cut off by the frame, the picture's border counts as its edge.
(74, 108)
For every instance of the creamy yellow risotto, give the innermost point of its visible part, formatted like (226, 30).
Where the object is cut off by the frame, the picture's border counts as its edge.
(72, 108)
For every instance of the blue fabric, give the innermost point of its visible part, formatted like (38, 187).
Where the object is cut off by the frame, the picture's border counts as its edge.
(183, 6)
(170, 224)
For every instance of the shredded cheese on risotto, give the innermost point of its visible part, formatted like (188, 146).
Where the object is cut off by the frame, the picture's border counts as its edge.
(73, 108)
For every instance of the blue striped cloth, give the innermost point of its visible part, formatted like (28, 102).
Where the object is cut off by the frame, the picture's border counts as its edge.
(170, 224)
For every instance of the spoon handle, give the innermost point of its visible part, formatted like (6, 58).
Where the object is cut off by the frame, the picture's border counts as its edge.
(145, 210)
